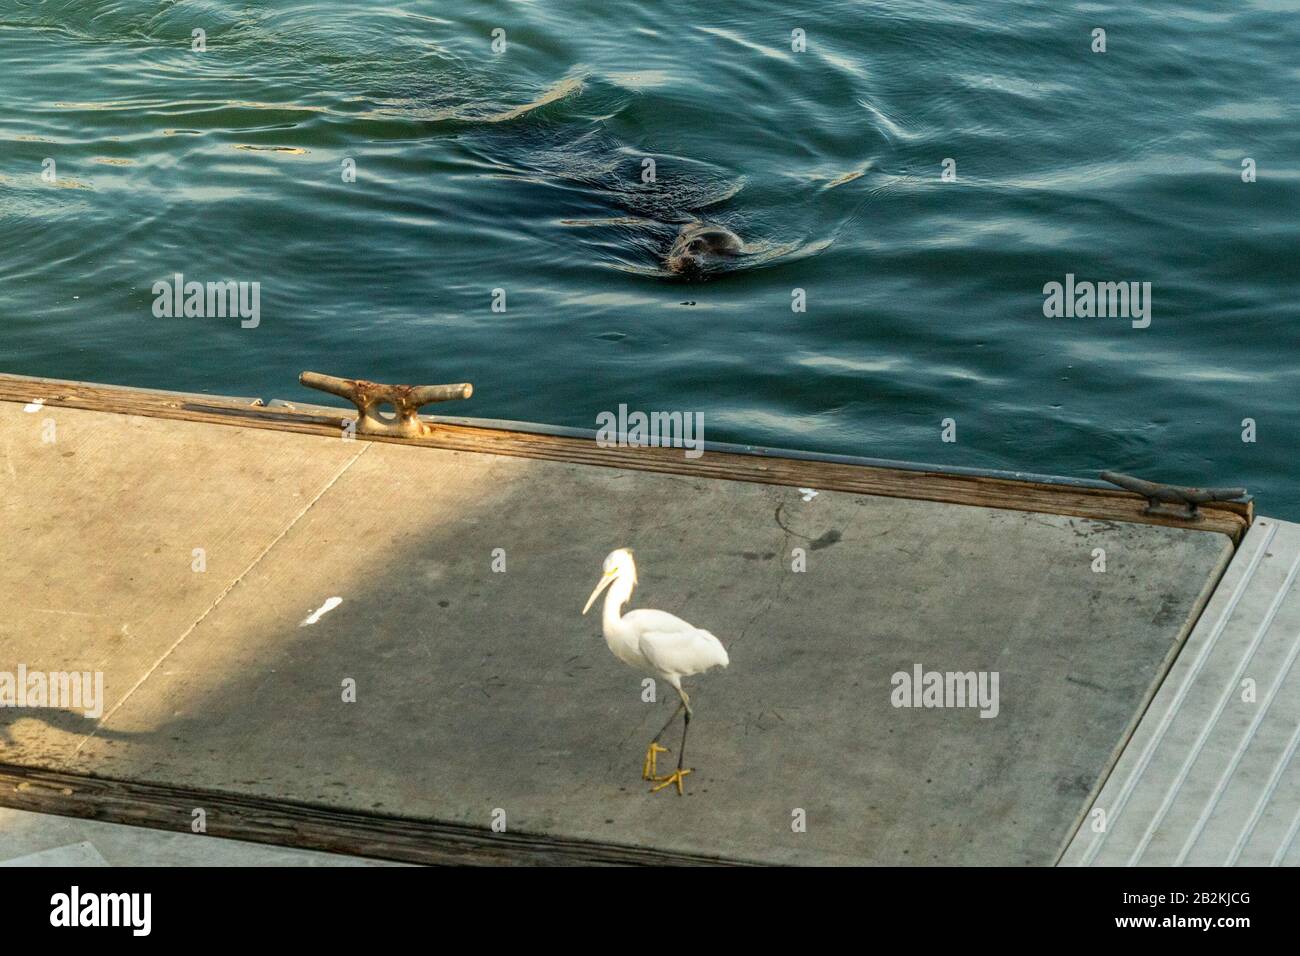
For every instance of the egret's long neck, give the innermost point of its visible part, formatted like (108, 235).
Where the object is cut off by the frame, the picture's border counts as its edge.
(619, 593)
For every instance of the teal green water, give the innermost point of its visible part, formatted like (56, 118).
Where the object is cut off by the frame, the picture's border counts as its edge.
(523, 170)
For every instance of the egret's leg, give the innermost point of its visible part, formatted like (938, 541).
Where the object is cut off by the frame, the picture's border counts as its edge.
(649, 768)
(677, 776)
(652, 752)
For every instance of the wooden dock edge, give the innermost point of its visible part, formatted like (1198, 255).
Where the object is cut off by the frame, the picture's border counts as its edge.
(305, 826)
(1104, 504)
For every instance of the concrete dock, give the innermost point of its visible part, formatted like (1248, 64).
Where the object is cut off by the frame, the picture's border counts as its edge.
(177, 545)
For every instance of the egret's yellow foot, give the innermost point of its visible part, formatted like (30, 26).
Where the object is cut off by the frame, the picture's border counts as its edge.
(651, 754)
(674, 777)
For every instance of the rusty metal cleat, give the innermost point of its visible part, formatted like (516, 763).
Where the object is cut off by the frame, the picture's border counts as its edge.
(1172, 500)
(405, 399)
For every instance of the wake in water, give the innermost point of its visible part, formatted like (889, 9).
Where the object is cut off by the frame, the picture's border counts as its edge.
(559, 141)
(624, 203)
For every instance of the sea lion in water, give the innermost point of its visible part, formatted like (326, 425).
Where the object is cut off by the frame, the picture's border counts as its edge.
(699, 246)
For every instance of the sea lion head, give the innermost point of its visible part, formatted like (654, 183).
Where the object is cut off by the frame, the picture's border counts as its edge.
(699, 246)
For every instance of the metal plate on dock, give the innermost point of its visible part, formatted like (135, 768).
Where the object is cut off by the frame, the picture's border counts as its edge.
(483, 696)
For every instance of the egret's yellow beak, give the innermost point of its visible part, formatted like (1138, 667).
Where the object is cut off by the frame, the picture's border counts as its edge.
(604, 582)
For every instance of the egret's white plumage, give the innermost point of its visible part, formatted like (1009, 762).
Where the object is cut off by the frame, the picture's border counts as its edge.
(654, 642)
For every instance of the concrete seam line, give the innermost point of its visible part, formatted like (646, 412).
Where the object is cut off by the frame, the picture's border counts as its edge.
(221, 597)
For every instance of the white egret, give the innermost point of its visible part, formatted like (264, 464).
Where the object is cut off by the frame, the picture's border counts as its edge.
(657, 643)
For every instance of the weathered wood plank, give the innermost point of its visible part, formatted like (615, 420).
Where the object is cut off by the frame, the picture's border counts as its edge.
(313, 827)
(1231, 518)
